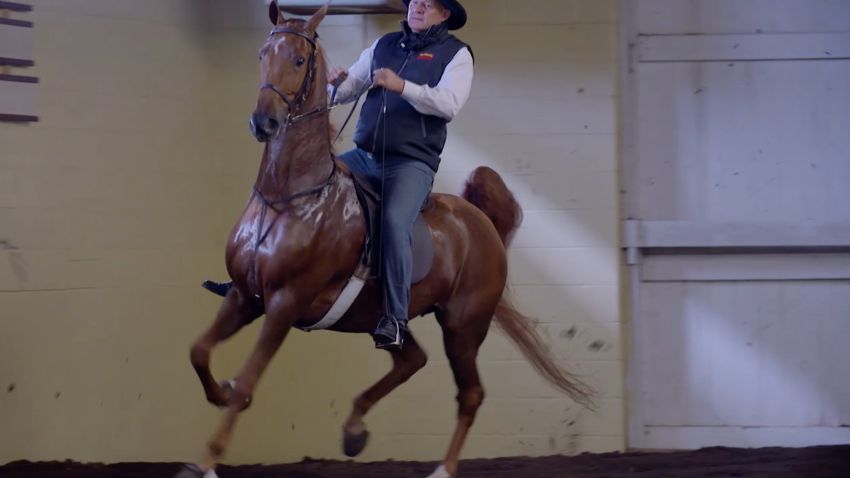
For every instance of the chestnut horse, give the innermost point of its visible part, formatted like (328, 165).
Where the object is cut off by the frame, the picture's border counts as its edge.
(301, 237)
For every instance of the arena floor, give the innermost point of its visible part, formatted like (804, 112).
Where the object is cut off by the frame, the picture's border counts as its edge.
(813, 462)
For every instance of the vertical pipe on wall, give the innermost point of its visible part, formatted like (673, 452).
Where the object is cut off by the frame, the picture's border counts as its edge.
(628, 157)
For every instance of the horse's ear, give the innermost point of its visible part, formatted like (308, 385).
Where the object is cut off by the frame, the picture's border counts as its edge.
(275, 14)
(316, 19)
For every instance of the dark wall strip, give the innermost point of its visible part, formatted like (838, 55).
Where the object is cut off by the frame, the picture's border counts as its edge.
(18, 118)
(16, 62)
(15, 7)
(15, 23)
(19, 78)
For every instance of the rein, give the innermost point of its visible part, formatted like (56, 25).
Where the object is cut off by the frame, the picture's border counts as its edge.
(294, 106)
(305, 88)
(269, 204)
(315, 189)
(273, 205)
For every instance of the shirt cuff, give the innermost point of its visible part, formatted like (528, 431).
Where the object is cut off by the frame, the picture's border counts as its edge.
(411, 91)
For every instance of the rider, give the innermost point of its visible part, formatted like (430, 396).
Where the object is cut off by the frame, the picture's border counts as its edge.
(418, 80)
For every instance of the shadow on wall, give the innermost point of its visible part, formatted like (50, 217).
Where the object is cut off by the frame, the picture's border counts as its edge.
(16, 261)
(740, 347)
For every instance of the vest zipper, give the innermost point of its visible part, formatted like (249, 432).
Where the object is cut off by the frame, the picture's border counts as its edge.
(383, 113)
(424, 131)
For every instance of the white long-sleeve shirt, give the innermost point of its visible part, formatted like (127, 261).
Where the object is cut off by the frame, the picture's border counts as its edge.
(444, 100)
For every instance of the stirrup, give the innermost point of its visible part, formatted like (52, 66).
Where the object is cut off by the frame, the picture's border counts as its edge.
(387, 342)
(217, 288)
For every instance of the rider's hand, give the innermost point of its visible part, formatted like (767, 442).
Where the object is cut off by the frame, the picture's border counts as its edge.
(387, 78)
(336, 76)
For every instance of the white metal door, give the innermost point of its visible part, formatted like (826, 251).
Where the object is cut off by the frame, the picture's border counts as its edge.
(736, 178)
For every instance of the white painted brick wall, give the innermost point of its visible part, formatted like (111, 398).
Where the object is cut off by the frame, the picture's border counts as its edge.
(542, 113)
(116, 207)
(107, 211)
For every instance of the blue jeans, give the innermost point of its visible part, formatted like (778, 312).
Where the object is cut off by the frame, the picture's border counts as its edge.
(407, 183)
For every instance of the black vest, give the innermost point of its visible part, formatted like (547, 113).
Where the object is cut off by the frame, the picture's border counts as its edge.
(420, 59)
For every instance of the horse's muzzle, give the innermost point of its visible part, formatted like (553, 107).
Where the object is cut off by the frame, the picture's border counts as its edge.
(263, 127)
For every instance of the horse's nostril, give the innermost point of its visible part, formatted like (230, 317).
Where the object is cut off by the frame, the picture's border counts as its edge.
(257, 121)
(262, 125)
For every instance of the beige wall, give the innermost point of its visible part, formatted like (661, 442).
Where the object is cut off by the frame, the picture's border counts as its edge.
(111, 203)
(125, 191)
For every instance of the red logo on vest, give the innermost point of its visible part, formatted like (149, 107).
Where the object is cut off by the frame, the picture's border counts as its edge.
(425, 56)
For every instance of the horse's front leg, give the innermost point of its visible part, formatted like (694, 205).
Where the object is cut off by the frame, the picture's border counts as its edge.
(233, 314)
(280, 315)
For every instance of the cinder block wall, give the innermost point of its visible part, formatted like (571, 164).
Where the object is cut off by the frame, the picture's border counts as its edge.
(104, 310)
(109, 217)
(542, 113)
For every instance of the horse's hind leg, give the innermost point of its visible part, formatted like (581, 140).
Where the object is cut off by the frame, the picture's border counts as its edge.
(406, 362)
(462, 343)
(231, 317)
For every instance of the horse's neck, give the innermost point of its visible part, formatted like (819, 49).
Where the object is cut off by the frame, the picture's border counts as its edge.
(297, 159)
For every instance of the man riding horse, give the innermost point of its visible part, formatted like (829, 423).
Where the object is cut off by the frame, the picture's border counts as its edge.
(299, 242)
(418, 80)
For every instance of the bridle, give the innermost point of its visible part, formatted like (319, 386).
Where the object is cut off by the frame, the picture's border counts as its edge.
(294, 106)
(300, 97)
(291, 118)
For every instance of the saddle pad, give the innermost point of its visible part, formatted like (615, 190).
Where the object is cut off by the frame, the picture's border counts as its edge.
(369, 197)
(423, 250)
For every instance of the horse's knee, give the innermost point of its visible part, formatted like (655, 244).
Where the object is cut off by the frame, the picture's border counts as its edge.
(418, 361)
(469, 400)
(199, 354)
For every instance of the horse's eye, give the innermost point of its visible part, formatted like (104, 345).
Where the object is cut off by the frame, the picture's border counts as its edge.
(300, 61)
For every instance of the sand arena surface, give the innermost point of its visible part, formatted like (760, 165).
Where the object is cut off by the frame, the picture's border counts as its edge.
(813, 462)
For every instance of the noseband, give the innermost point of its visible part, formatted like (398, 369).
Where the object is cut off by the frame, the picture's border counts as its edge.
(301, 96)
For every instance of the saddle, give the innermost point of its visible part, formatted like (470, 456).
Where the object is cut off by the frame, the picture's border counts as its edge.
(369, 197)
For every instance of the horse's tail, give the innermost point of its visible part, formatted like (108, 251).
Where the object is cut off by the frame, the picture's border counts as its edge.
(486, 190)
(522, 331)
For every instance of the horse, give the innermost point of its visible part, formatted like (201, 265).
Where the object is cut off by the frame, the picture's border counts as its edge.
(302, 234)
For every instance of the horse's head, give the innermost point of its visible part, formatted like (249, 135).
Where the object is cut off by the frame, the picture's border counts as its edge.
(288, 71)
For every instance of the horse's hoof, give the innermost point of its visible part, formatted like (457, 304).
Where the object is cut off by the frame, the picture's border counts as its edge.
(353, 444)
(193, 471)
(221, 398)
(440, 472)
(229, 388)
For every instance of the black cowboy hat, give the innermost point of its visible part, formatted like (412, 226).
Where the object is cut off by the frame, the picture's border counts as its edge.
(458, 18)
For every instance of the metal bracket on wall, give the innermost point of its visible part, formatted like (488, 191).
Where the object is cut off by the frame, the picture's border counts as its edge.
(343, 7)
(17, 92)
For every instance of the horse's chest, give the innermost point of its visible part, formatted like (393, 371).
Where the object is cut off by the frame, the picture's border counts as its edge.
(264, 236)
(272, 245)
